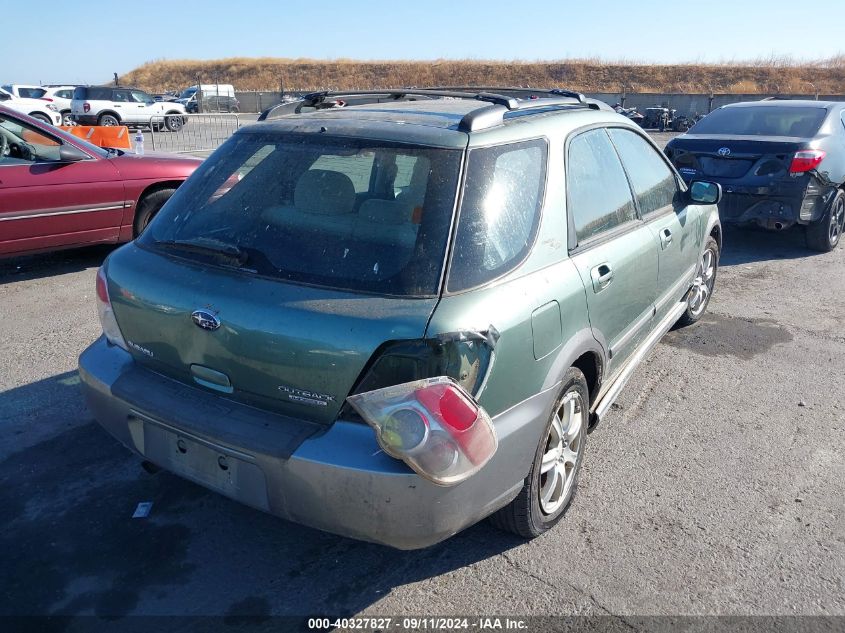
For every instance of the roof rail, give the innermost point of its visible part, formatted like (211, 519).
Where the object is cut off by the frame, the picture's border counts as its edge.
(483, 117)
(524, 93)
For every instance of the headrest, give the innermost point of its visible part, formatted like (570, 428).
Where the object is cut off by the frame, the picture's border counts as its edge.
(324, 192)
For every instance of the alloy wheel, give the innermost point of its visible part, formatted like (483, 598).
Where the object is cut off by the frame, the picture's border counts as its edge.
(563, 453)
(702, 285)
(837, 221)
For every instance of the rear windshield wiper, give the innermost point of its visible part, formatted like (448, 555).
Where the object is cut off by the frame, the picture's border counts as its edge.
(208, 246)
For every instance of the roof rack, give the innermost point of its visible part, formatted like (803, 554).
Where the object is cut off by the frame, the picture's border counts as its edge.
(523, 93)
(481, 118)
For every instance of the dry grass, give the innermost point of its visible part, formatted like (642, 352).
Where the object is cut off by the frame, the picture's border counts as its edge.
(767, 75)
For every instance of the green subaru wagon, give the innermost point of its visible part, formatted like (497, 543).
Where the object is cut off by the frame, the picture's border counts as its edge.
(393, 317)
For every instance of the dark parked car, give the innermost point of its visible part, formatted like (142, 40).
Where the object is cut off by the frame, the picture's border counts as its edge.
(57, 191)
(779, 162)
(390, 320)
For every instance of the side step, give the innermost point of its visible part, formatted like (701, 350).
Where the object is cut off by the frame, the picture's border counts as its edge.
(603, 403)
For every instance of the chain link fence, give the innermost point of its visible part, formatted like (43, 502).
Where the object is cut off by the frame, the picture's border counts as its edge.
(189, 133)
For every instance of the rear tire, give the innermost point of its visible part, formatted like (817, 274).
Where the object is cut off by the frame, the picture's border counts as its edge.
(824, 235)
(702, 288)
(174, 123)
(108, 120)
(41, 117)
(550, 485)
(149, 206)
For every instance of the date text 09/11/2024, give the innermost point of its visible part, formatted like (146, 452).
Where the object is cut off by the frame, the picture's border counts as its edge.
(419, 623)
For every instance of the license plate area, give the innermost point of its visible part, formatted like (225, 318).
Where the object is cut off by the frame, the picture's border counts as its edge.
(219, 468)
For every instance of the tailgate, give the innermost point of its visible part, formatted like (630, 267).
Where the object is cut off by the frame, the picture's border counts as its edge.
(293, 349)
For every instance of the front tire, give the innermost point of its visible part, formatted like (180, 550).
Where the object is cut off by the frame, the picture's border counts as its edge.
(702, 286)
(550, 485)
(67, 119)
(148, 207)
(824, 235)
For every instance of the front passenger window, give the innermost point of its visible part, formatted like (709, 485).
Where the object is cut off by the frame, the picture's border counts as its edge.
(599, 197)
(653, 181)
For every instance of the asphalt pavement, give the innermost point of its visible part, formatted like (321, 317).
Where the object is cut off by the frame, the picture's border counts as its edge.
(714, 487)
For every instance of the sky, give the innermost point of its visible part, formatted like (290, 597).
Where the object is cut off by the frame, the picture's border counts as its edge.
(81, 46)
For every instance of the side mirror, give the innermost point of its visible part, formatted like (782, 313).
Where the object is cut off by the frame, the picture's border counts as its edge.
(703, 192)
(71, 154)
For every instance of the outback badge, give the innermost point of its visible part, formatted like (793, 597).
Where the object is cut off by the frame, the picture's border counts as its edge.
(205, 319)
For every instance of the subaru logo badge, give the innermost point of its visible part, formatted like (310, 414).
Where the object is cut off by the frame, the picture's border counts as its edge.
(205, 319)
(724, 151)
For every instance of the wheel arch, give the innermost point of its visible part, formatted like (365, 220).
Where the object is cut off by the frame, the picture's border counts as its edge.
(716, 234)
(149, 190)
(590, 364)
(584, 352)
(112, 113)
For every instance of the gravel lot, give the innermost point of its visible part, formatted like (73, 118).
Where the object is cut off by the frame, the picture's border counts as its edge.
(715, 487)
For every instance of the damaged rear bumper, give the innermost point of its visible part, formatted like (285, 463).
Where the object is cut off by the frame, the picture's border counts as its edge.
(332, 478)
(777, 207)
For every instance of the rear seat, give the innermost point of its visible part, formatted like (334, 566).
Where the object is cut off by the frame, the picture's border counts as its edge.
(324, 201)
(387, 222)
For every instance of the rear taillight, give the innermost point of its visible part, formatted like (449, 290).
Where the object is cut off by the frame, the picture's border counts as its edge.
(46, 99)
(805, 160)
(432, 425)
(86, 107)
(104, 309)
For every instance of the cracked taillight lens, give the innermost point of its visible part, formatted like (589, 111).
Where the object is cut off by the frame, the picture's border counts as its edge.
(433, 425)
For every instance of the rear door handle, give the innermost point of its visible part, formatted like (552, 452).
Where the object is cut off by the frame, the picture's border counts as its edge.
(601, 276)
(665, 238)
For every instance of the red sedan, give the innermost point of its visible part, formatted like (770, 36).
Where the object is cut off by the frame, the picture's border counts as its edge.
(57, 191)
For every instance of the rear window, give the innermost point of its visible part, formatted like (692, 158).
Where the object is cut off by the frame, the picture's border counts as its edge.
(794, 121)
(31, 93)
(93, 93)
(350, 214)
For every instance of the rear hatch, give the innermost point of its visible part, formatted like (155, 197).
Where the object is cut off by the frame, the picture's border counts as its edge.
(284, 262)
(293, 349)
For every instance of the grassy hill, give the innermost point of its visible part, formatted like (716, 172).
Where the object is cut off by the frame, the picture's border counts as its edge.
(769, 75)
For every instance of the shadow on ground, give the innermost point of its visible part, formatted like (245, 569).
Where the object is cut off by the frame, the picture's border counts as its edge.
(52, 264)
(746, 245)
(69, 545)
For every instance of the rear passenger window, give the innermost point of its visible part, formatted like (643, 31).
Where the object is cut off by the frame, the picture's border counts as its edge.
(499, 213)
(654, 183)
(599, 197)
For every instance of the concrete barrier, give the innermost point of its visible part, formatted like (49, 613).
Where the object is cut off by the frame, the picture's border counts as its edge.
(684, 103)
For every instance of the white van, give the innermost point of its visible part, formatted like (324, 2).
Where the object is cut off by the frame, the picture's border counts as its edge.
(208, 90)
